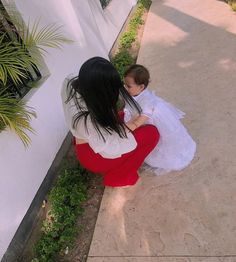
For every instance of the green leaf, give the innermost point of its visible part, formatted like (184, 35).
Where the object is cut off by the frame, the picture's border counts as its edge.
(17, 57)
(16, 115)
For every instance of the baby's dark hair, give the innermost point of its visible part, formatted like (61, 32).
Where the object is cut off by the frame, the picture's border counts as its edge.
(139, 73)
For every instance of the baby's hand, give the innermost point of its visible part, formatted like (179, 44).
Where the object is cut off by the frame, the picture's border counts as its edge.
(137, 122)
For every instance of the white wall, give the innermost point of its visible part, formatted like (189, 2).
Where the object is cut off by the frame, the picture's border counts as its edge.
(110, 20)
(23, 170)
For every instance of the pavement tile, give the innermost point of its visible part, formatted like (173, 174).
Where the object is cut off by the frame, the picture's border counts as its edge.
(189, 48)
(163, 259)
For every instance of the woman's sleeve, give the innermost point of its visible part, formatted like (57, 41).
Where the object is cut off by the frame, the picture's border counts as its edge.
(127, 114)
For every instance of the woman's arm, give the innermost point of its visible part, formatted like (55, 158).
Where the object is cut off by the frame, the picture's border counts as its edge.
(137, 122)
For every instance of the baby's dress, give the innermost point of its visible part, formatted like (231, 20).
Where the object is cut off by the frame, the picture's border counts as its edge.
(176, 148)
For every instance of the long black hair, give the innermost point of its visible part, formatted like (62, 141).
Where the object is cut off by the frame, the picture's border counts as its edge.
(99, 86)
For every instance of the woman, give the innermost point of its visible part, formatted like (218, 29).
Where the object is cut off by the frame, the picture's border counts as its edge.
(104, 144)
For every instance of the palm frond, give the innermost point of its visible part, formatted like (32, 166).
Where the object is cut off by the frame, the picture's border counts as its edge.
(14, 62)
(16, 115)
(47, 36)
(20, 52)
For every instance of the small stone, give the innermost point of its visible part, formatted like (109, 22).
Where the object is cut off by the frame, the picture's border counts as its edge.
(67, 251)
(44, 203)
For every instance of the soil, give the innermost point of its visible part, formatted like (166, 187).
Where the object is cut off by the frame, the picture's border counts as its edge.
(86, 222)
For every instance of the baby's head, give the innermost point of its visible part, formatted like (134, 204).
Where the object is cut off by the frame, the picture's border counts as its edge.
(136, 79)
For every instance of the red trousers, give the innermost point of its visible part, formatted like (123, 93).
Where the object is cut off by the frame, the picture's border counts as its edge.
(120, 171)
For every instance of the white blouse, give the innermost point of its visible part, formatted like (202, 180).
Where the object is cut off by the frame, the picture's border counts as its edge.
(113, 146)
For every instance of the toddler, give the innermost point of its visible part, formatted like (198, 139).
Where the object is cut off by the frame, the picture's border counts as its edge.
(176, 148)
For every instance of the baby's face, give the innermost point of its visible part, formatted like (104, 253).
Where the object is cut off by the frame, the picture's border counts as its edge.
(133, 88)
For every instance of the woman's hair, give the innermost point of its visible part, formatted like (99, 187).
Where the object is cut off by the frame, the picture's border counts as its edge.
(99, 85)
(139, 73)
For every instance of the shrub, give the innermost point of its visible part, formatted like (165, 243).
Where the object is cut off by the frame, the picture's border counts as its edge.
(135, 22)
(122, 60)
(21, 51)
(127, 39)
(129, 36)
(232, 3)
(233, 6)
(65, 201)
(145, 3)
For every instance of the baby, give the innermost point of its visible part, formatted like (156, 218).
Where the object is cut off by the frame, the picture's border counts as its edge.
(176, 148)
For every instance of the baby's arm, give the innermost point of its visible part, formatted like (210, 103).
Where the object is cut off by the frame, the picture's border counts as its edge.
(137, 122)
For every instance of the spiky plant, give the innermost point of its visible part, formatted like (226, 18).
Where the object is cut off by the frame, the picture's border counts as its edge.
(17, 56)
(16, 115)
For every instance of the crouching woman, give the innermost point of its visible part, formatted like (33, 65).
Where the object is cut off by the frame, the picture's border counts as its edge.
(103, 143)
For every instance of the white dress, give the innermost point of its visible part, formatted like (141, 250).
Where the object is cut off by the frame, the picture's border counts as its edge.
(176, 148)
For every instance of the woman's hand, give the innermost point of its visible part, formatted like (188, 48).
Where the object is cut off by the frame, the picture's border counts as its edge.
(131, 125)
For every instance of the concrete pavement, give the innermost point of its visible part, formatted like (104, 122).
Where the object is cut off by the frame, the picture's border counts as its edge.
(189, 47)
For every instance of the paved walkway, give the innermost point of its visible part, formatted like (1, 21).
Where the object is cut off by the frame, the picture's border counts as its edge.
(189, 216)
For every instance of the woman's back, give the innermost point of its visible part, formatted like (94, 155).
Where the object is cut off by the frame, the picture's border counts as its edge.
(108, 144)
(91, 112)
